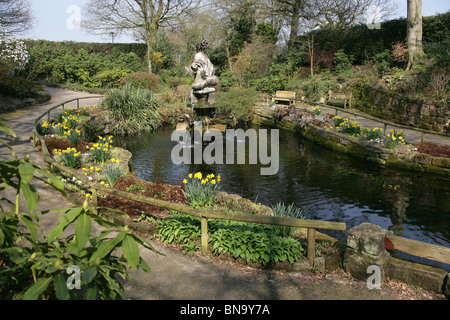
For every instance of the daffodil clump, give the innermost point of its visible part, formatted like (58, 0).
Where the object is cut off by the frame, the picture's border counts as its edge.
(100, 152)
(373, 134)
(394, 139)
(316, 111)
(70, 157)
(70, 121)
(43, 128)
(113, 171)
(74, 136)
(350, 127)
(200, 191)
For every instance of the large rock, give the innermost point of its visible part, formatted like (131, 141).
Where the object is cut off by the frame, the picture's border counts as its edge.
(365, 247)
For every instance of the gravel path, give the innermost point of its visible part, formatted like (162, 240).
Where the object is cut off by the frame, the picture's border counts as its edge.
(176, 276)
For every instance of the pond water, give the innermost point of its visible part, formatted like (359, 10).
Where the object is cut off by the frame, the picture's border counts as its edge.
(326, 185)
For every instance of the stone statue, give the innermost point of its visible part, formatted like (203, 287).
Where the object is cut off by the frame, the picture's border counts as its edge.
(203, 71)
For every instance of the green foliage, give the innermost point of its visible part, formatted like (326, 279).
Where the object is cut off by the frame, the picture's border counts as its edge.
(349, 127)
(143, 80)
(291, 211)
(134, 109)
(238, 101)
(384, 61)
(342, 62)
(74, 137)
(316, 87)
(35, 265)
(89, 65)
(112, 172)
(249, 241)
(270, 84)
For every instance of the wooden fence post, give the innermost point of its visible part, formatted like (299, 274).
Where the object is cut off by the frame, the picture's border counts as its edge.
(311, 243)
(204, 230)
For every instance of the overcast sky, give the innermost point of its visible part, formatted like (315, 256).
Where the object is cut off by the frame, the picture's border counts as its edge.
(55, 19)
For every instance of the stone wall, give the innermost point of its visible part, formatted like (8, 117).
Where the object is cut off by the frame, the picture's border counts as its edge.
(391, 106)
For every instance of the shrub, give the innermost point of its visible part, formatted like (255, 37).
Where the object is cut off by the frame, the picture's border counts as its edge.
(237, 101)
(110, 78)
(134, 109)
(270, 84)
(316, 88)
(143, 80)
(342, 62)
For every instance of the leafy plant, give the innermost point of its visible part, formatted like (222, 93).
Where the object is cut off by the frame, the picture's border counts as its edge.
(291, 211)
(112, 172)
(74, 136)
(37, 267)
(134, 109)
(201, 191)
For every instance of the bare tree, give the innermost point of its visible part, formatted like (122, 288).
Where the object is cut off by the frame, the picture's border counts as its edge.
(143, 18)
(16, 16)
(414, 31)
(332, 13)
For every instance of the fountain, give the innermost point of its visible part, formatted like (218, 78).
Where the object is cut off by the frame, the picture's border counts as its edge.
(202, 102)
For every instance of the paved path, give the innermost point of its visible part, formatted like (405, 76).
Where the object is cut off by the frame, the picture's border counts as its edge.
(411, 136)
(177, 276)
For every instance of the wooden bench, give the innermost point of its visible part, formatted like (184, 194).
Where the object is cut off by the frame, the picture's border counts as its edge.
(288, 96)
(338, 97)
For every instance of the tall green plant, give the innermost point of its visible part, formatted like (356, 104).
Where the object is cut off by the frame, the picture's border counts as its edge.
(134, 109)
(33, 267)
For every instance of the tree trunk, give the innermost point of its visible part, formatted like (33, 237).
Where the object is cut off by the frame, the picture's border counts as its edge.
(414, 32)
(296, 6)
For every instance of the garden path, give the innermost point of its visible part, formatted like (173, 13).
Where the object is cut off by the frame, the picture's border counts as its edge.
(182, 277)
(411, 136)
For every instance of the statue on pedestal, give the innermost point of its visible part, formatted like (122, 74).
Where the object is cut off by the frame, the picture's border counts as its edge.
(203, 71)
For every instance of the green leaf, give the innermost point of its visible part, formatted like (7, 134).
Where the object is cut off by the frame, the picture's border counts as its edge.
(89, 275)
(31, 196)
(26, 171)
(83, 230)
(67, 219)
(61, 290)
(7, 130)
(106, 247)
(37, 289)
(31, 226)
(130, 251)
(90, 293)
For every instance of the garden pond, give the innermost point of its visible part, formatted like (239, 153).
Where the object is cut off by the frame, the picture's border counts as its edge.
(326, 185)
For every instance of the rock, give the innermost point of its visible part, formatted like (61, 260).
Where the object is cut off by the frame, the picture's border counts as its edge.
(367, 238)
(427, 277)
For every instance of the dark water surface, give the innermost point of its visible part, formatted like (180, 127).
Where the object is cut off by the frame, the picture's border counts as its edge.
(325, 184)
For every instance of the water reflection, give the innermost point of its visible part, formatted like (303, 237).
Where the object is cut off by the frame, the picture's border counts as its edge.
(326, 185)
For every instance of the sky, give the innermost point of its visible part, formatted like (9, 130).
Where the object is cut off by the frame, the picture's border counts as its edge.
(56, 19)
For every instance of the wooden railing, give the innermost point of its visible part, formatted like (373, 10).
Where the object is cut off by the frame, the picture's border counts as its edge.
(204, 215)
(418, 248)
(384, 122)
